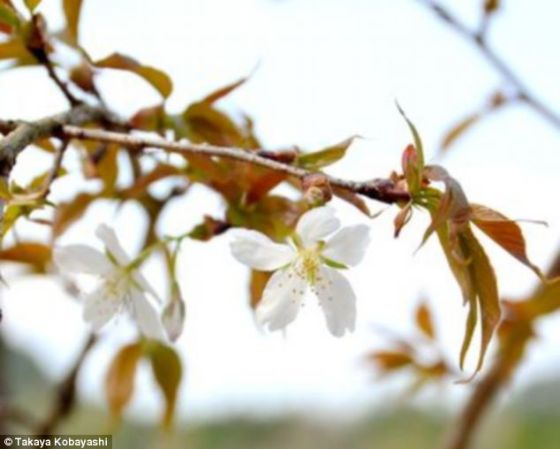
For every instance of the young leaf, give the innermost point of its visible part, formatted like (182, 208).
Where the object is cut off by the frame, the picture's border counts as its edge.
(68, 213)
(158, 79)
(457, 131)
(223, 91)
(36, 254)
(391, 360)
(417, 140)
(485, 283)
(32, 4)
(504, 232)
(72, 10)
(167, 369)
(9, 19)
(410, 168)
(402, 218)
(119, 383)
(424, 322)
(322, 158)
(453, 204)
(350, 197)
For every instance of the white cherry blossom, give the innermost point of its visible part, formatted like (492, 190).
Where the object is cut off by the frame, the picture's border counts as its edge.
(122, 289)
(309, 260)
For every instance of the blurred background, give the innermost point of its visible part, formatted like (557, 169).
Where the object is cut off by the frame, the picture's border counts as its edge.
(321, 71)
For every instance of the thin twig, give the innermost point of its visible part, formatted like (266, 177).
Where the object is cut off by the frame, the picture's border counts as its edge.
(522, 91)
(383, 190)
(39, 46)
(20, 134)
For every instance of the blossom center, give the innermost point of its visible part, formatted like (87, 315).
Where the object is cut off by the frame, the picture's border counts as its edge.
(116, 285)
(308, 263)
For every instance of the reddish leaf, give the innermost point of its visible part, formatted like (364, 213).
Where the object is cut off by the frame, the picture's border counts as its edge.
(458, 130)
(68, 213)
(424, 320)
(119, 383)
(391, 360)
(149, 119)
(504, 232)
(223, 92)
(36, 254)
(158, 79)
(350, 197)
(402, 218)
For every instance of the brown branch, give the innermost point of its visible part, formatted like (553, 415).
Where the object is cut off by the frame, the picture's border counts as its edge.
(39, 46)
(383, 190)
(20, 134)
(66, 394)
(522, 91)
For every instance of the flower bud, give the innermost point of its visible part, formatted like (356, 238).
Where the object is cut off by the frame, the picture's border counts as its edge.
(173, 317)
(317, 189)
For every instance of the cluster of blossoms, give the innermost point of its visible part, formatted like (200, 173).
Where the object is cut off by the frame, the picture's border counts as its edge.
(309, 259)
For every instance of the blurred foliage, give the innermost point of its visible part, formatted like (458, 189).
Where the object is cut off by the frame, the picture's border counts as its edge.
(528, 421)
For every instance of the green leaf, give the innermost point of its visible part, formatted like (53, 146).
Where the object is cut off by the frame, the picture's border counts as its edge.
(9, 19)
(32, 4)
(417, 140)
(453, 205)
(327, 156)
(72, 10)
(475, 275)
(158, 79)
(119, 383)
(168, 371)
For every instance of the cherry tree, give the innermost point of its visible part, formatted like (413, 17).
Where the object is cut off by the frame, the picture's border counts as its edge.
(295, 248)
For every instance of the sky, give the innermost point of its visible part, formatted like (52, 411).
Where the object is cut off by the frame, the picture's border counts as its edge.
(321, 71)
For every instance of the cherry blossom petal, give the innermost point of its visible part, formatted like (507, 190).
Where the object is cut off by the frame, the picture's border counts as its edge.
(316, 224)
(348, 246)
(141, 282)
(337, 300)
(146, 316)
(81, 259)
(100, 307)
(281, 299)
(107, 235)
(259, 252)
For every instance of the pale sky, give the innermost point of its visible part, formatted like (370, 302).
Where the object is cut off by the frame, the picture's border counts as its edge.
(325, 70)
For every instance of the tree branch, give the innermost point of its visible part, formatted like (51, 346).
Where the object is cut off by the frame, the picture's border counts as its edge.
(383, 190)
(20, 134)
(522, 91)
